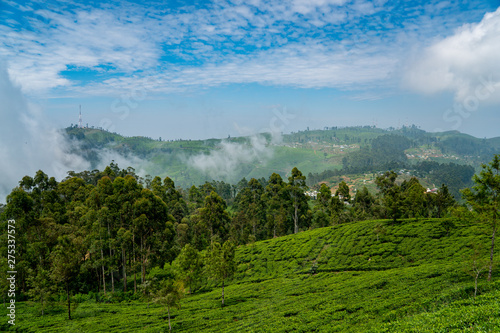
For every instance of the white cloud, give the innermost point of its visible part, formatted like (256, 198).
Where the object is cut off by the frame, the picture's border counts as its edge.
(126, 40)
(85, 39)
(306, 6)
(28, 144)
(290, 65)
(318, 43)
(466, 63)
(226, 161)
(106, 156)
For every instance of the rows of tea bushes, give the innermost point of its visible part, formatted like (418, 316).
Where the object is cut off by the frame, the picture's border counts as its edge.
(357, 247)
(466, 315)
(371, 276)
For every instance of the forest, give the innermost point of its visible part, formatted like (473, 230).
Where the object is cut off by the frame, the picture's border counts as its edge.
(114, 236)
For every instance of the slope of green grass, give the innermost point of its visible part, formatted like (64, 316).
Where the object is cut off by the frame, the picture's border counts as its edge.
(311, 151)
(336, 279)
(284, 159)
(466, 315)
(339, 135)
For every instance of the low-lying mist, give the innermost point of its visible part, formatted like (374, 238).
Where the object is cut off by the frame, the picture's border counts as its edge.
(29, 143)
(227, 162)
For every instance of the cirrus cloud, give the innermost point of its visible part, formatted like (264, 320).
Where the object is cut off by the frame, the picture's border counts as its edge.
(71, 48)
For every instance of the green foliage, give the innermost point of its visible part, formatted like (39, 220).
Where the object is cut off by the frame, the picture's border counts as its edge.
(441, 202)
(466, 145)
(484, 197)
(363, 204)
(66, 260)
(252, 219)
(455, 176)
(386, 151)
(296, 187)
(169, 294)
(189, 264)
(343, 191)
(213, 218)
(91, 234)
(278, 206)
(220, 262)
(465, 315)
(393, 196)
(410, 280)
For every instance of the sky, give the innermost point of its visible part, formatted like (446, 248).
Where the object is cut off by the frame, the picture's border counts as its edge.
(208, 69)
(202, 69)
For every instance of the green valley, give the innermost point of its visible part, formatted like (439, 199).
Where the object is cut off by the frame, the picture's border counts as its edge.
(320, 154)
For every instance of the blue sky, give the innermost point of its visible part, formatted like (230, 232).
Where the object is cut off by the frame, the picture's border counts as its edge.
(200, 69)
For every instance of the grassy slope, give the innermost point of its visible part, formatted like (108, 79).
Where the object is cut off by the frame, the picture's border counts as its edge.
(310, 151)
(169, 158)
(285, 159)
(411, 279)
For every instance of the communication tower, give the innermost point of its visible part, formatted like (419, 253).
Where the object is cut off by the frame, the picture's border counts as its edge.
(80, 123)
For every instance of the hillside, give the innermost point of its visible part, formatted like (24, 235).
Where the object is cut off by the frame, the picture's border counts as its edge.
(355, 153)
(370, 276)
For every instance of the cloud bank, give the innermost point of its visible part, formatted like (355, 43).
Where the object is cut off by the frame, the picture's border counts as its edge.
(28, 144)
(466, 63)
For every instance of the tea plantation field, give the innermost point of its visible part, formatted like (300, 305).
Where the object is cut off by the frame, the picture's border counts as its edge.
(408, 277)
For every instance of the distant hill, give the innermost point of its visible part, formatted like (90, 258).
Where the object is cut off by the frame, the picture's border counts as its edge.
(319, 153)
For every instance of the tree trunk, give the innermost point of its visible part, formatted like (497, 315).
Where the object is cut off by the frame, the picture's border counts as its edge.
(124, 270)
(296, 219)
(169, 326)
(492, 250)
(111, 264)
(69, 301)
(103, 274)
(145, 258)
(475, 284)
(142, 263)
(98, 279)
(112, 281)
(134, 265)
(23, 282)
(143, 276)
(222, 292)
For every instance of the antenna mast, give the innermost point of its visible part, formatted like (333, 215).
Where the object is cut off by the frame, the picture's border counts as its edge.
(80, 125)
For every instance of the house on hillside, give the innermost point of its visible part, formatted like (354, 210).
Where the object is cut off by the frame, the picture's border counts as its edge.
(312, 194)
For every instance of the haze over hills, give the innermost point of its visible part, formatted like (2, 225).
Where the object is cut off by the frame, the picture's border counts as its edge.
(330, 155)
(317, 153)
